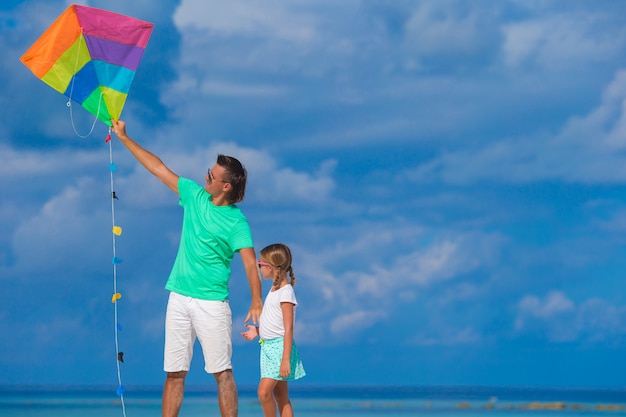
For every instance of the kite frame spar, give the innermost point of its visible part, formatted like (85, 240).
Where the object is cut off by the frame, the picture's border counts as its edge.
(90, 55)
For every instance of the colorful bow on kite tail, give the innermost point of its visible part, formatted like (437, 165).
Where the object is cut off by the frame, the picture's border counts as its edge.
(91, 56)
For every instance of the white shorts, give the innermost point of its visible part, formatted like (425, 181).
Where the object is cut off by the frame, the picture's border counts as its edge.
(209, 321)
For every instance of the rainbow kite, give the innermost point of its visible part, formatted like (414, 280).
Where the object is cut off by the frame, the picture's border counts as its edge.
(91, 56)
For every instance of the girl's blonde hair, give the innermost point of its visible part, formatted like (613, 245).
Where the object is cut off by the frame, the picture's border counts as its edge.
(279, 256)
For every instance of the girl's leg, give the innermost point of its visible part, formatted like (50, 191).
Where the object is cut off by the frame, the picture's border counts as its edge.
(266, 387)
(281, 395)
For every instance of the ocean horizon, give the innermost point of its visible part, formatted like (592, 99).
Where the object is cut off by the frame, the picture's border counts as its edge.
(321, 401)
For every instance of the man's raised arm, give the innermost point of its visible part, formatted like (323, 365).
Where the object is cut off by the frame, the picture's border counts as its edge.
(146, 158)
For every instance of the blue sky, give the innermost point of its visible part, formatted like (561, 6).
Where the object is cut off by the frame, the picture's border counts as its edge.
(450, 176)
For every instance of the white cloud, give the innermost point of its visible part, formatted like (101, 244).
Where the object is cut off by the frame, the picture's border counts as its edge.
(552, 316)
(615, 224)
(585, 150)
(346, 325)
(559, 319)
(346, 299)
(70, 233)
(603, 129)
(429, 265)
(554, 304)
(278, 42)
(444, 27)
(600, 320)
(212, 88)
(291, 186)
(286, 21)
(560, 40)
(41, 164)
(448, 337)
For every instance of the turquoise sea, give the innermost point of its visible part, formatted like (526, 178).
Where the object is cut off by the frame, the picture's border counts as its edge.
(324, 401)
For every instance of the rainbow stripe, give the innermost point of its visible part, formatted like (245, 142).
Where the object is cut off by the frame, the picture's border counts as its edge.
(91, 56)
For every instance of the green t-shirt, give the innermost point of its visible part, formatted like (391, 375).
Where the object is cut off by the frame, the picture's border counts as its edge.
(210, 237)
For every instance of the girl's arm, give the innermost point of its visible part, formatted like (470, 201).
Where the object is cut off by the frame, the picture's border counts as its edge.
(285, 365)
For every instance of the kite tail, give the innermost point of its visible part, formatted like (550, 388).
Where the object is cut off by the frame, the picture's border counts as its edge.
(117, 231)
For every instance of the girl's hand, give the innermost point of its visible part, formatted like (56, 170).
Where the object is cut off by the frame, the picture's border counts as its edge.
(251, 333)
(285, 369)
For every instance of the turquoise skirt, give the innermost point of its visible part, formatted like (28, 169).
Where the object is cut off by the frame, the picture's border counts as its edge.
(272, 356)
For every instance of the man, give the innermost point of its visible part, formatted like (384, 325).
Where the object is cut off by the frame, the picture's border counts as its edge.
(213, 230)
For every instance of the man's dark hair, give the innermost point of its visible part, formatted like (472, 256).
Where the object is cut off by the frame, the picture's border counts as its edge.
(236, 175)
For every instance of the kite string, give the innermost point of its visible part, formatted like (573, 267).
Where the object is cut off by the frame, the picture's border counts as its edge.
(93, 125)
(120, 389)
(69, 101)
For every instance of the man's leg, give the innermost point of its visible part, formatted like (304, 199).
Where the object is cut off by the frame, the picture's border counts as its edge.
(227, 393)
(177, 353)
(173, 393)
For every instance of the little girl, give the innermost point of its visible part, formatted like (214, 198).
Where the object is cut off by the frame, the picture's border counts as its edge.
(280, 360)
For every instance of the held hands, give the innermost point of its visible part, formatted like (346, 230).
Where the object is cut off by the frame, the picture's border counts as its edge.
(255, 311)
(252, 332)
